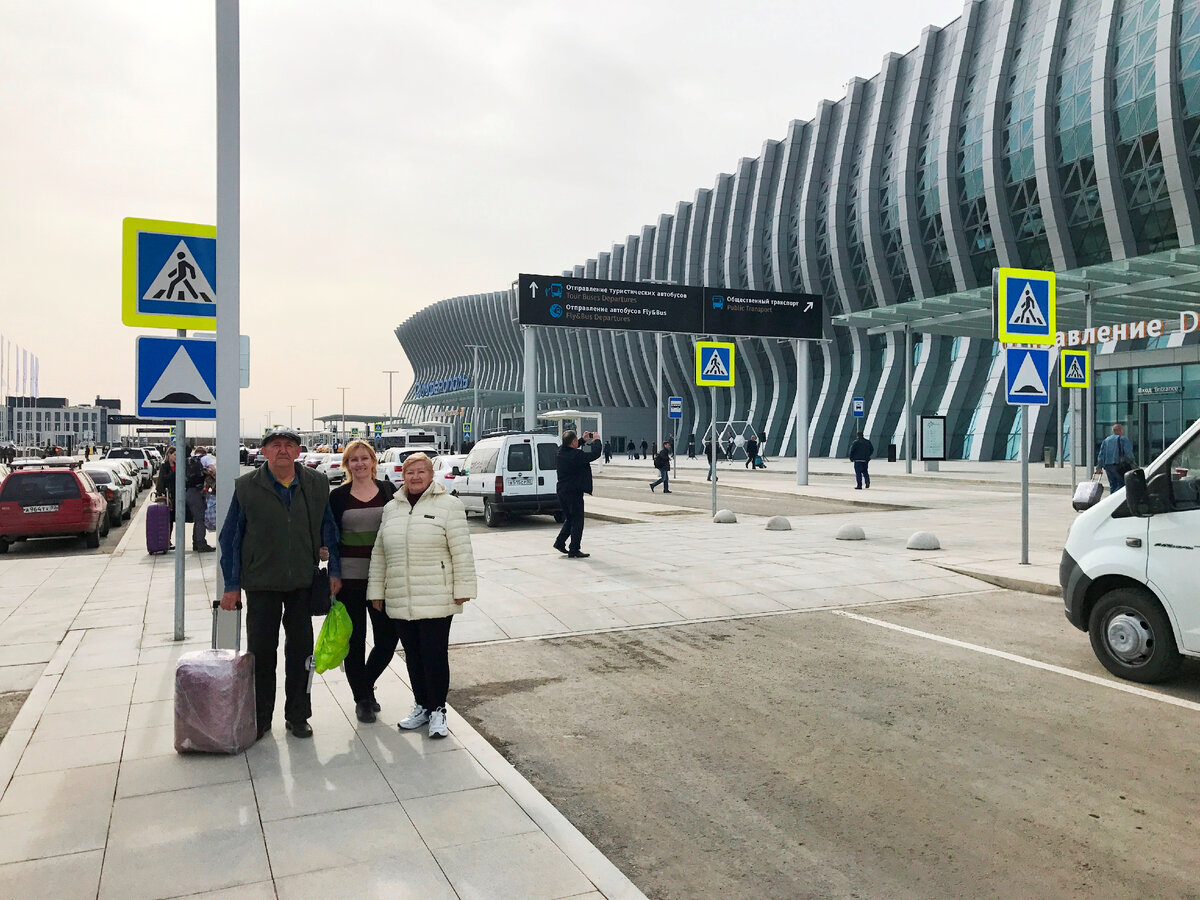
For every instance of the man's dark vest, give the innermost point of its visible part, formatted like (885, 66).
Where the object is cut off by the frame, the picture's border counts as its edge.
(279, 547)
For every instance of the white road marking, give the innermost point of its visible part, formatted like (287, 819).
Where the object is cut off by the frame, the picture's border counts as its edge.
(1026, 661)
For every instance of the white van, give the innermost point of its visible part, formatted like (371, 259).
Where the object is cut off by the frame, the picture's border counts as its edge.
(511, 474)
(1129, 570)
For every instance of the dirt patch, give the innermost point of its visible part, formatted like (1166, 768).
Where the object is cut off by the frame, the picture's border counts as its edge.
(10, 705)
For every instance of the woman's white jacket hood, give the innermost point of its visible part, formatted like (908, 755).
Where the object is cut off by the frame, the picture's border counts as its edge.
(422, 558)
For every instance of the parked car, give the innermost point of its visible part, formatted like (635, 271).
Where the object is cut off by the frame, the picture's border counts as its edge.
(258, 459)
(118, 489)
(51, 498)
(447, 468)
(312, 460)
(140, 456)
(331, 467)
(511, 474)
(392, 460)
(127, 467)
(117, 497)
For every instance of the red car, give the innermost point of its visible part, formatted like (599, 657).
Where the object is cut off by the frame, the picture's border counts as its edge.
(45, 499)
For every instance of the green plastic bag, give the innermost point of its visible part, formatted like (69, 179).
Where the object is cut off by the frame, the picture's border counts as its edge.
(333, 643)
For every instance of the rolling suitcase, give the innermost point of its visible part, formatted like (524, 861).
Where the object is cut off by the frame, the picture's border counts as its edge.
(214, 698)
(158, 528)
(1087, 494)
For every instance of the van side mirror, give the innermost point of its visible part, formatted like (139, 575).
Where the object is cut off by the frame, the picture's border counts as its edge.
(1147, 498)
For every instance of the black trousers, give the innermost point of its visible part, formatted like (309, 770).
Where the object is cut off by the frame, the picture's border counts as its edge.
(427, 654)
(264, 612)
(196, 501)
(572, 526)
(363, 671)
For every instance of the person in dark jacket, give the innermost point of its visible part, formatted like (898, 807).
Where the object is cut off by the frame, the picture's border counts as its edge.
(278, 526)
(574, 480)
(861, 452)
(165, 487)
(751, 452)
(645, 450)
(662, 462)
(607, 452)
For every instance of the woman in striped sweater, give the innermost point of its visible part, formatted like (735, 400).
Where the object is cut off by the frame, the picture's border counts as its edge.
(358, 509)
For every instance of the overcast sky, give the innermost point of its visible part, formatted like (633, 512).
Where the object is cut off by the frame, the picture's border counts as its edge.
(393, 154)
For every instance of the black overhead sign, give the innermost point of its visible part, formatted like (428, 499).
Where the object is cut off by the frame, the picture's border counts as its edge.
(763, 314)
(562, 301)
(616, 305)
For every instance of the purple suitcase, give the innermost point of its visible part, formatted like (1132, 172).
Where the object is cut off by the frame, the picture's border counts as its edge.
(158, 528)
(214, 698)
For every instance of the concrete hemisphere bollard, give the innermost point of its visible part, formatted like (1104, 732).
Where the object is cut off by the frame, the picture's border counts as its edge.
(851, 533)
(778, 523)
(724, 517)
(924, 540)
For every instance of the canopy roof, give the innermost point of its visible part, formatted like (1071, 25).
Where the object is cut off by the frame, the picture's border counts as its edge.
(488, 398)
(1158, 285)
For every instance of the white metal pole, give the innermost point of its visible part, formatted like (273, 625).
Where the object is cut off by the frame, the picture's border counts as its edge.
(1089, 397)
(229, 215)
(1058, 449)
(803, 377)
(658, 399)
(908, 399)
(531, 363)
(1024, 485)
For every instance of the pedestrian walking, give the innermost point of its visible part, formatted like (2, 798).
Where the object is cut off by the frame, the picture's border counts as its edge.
(574, 480)
(278, 527)
(662, 462)
(607, 452)
(422, 572)
(710, 450)
(632, 450)
(357, 506)
(861, 452)
(196, 498)
(1115, 457)
(751, 452)
(645, 449)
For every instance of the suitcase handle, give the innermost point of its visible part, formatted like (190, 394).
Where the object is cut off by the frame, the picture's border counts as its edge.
(238, 639)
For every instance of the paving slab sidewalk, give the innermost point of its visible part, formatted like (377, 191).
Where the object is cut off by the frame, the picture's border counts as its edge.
(94, 801)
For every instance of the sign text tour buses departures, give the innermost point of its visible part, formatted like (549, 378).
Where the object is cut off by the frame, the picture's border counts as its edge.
(1189, 321)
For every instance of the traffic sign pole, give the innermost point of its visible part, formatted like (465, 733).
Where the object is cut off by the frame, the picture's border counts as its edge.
(180, 521)
(712, 430)
(658, 407)
(229, 180)
(1024, 485)
(803, 372)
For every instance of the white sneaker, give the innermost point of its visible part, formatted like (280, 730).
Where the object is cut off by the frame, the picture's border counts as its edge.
(437, 724)
(415, 719)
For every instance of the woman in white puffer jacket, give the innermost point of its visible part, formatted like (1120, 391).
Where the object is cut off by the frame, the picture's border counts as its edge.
(422, 572)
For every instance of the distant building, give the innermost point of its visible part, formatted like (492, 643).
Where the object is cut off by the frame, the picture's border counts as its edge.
(42, 421)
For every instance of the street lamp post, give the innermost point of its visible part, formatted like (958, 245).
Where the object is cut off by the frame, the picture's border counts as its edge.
(291, 415)
(312, 419)
(391, 409)
(343, 431)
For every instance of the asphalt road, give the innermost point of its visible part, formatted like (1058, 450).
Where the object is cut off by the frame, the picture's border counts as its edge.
(821, 756)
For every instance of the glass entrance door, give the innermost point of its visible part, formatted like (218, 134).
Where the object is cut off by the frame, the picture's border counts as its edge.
(1160, 423)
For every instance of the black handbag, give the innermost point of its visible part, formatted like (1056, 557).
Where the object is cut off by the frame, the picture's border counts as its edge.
(320, 601)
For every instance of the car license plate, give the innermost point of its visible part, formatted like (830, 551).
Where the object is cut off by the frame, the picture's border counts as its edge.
(44, 508)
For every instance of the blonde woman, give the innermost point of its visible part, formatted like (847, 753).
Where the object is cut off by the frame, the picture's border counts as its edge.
(422, 572)
(357, 507)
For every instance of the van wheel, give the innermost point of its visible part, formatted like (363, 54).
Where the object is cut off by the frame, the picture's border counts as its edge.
(1132, 637)
(491, 515)
(91, 540)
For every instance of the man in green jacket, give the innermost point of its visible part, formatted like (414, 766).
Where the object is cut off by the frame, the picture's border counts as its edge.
(278, 526)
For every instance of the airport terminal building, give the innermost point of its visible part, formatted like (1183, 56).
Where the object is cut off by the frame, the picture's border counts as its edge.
(1039, 134)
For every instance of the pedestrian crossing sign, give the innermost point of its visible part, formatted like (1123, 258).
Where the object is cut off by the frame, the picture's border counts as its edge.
(1074, 370)
(1025, 306)
(714, 363)
(1027, 376)
(169, 274)
(176, 378)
